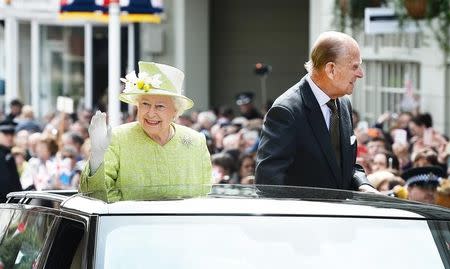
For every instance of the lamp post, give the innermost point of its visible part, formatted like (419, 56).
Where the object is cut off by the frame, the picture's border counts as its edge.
(263, 71)
(114, 63)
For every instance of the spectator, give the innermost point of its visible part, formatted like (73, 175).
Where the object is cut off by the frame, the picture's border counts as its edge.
(41, 169)
(26, 121)
(15, 107)
(245, 102)
(421, 126)
(223, 169)
(185, 120)
(80, 128)
(33, 139)
(9, 179)
(19, 155)
(403, 122)
(384, 180)
(401, 151)
(424, 157)
(84, 116)
(68, 172)
(72, 139)
(376, 145)
(21, 140)
(246, 166)
(384, 161)
(422, 183)
(224, 114)
(443, 193)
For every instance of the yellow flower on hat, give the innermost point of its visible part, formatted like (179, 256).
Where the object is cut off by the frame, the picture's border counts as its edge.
(155, 79)
(143, 81)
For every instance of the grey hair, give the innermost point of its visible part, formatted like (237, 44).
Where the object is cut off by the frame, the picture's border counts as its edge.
(179, 106)
(327, 48)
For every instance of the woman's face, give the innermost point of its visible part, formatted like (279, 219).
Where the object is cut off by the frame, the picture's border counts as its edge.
(379, 162)
(42, 151)
(247, 168)
(155, 113)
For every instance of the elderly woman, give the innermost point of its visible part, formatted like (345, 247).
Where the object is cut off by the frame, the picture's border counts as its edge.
(153, 158)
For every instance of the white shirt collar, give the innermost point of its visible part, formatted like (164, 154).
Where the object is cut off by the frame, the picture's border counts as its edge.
(322, 98)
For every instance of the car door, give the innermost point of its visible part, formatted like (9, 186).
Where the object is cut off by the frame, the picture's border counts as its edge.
(24, 237)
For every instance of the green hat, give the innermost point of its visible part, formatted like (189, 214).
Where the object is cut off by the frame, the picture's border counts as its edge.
(154, 79)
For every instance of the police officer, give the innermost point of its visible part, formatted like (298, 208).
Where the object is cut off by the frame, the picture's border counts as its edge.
(422, 183)
(9, 179)
(248, 110)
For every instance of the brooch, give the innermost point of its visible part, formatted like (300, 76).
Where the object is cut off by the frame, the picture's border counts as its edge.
(186, 140)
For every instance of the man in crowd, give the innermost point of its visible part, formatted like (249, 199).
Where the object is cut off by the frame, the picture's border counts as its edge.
(246, 107)
(9, 179)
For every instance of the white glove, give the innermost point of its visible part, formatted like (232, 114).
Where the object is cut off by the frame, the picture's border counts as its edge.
(100, 135)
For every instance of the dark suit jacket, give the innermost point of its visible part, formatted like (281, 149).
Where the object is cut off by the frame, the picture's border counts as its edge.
(9, 179)
(295, 146)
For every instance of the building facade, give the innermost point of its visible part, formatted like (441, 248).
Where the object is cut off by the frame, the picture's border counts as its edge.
(217, 44)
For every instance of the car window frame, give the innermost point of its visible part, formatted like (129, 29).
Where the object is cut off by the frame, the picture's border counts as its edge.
(84, 220)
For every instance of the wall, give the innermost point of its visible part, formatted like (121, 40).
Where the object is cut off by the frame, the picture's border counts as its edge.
(246, 32)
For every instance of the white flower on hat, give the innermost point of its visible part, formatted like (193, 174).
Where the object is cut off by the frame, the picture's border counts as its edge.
(143, 82)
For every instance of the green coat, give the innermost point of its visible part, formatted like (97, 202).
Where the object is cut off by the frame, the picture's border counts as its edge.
(137, 168)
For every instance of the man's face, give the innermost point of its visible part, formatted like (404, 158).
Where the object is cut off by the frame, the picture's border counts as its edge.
(347, 71)
(245, 108)
(15, 109)
(422, 193)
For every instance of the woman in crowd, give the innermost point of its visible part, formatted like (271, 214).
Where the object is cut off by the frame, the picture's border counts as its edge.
(153, 158)
(246, 165)
(224, 168)
(40, 171)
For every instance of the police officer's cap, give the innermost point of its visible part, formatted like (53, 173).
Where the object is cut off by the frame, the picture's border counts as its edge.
(423, 175)
(244, 98)
(7, 126)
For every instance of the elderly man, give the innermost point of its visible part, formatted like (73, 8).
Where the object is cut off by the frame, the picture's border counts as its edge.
(307, 137)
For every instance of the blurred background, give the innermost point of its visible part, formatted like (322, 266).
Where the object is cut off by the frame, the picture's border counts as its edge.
(51, 48)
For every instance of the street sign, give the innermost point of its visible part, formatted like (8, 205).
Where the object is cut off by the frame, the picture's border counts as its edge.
(383, 20)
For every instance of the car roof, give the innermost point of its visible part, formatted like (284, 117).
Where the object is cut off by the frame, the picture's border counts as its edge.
(266, 200)
(247, 200)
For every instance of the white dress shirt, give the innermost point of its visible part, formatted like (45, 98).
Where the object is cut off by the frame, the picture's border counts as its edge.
(322, 99)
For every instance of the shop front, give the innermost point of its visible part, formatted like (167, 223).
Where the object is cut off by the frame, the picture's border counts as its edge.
(46, 53)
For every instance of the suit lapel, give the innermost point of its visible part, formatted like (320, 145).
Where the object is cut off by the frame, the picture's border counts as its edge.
(317, 122)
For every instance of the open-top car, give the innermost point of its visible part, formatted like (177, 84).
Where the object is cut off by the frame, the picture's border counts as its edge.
(234, 227)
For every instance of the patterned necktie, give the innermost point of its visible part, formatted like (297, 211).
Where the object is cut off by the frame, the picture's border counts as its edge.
(334, 130)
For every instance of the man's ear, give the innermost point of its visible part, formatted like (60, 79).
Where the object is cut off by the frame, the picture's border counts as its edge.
(330, 69)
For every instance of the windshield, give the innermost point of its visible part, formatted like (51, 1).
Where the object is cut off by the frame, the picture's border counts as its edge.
(266, 242)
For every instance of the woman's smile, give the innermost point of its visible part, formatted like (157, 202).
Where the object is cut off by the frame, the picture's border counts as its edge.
(152, 122)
